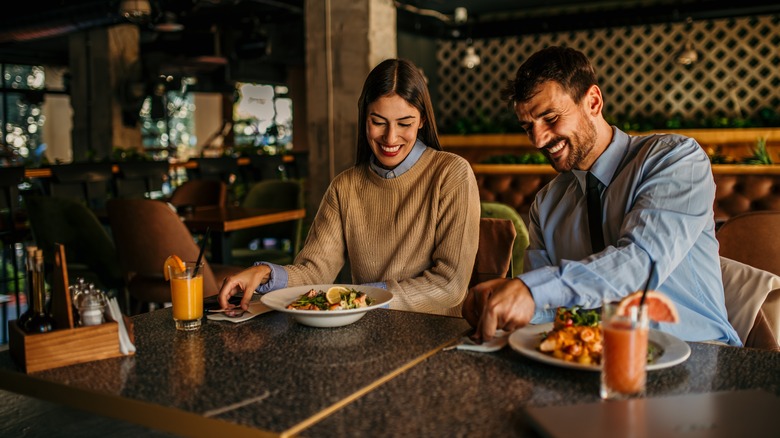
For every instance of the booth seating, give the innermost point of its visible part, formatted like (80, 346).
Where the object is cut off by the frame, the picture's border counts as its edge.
(735, 193)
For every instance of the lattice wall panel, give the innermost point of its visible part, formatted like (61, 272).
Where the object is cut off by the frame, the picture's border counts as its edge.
(738, 69)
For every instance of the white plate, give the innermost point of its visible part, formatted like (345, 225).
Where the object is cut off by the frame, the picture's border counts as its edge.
(280, 299)
(526, 340)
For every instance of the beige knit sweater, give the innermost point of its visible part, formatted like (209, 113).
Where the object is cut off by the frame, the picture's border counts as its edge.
(418, 233)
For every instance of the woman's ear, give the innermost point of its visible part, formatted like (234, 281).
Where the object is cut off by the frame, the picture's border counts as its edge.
(422, 123)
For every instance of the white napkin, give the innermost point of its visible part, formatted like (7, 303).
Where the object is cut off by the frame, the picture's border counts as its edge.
(255, 308)
(498, 342)
(115, 314)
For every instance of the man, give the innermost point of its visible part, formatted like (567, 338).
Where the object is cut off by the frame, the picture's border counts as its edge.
(656, 194)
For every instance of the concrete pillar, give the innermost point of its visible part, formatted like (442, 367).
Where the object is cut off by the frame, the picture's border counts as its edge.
(106, 88)
(345, 39)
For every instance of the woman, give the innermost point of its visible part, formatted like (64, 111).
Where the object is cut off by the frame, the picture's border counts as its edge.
(407, 213)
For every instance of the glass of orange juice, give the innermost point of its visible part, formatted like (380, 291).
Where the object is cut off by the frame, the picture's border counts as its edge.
(187, 295)
(624, 351)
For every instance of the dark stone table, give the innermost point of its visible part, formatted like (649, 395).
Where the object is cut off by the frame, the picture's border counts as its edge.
(385, 375)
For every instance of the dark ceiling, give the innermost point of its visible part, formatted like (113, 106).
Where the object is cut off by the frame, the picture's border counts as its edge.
(263, 33)
(499, 18)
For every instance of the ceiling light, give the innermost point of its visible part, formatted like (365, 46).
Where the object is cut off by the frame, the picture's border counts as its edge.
(470, 58)
(168, 23)
(688, 54)
(135, 11)
(461, 15)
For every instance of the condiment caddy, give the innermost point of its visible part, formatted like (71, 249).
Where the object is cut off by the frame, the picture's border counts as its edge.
(70, 342)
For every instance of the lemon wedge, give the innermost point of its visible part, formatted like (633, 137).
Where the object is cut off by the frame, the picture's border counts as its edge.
(175, 263)
(333, 295)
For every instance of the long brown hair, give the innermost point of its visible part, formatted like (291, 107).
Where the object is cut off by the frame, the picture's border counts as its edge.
(401, 77)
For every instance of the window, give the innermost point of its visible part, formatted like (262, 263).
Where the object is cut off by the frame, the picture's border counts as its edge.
(21, 119)
(168, 117)
(262, 118)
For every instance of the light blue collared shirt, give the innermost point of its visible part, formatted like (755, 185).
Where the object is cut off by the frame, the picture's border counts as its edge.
(279, 279)
(403, 166)
(657, 198)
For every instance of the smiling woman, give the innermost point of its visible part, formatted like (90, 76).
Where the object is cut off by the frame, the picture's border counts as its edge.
(405, 217)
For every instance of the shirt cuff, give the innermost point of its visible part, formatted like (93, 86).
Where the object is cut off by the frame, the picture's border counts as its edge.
(380, 284)
(277, 280)
(547, 291)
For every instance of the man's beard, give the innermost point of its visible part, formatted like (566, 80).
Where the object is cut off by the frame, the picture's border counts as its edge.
(579, 145)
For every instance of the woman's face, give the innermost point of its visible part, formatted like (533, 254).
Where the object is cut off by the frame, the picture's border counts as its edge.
(391, 129)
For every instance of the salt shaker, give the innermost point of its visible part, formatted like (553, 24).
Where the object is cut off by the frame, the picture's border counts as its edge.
(91, 303)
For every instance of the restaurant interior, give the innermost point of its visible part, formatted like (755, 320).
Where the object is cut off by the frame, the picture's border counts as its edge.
(234, 116)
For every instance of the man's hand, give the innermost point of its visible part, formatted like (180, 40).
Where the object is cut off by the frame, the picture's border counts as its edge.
(505, 304)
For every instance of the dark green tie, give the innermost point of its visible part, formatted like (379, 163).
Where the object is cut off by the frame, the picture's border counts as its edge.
(594, 213)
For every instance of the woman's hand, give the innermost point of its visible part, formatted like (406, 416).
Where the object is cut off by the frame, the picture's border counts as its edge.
(246, 282)
(505, 304)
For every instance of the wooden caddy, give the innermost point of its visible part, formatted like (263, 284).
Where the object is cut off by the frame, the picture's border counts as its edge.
(66, 345)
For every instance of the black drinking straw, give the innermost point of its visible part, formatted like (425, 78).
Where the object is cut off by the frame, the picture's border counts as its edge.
(202, 249)
(647, 283)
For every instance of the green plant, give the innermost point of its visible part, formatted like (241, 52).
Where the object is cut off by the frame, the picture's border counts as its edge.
(760, 154)
(525, 158)
(718, 157)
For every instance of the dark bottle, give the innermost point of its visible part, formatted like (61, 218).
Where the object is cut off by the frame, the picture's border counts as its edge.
(28, 286)
(40, 321)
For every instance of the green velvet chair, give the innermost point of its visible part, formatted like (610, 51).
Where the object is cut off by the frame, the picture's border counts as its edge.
(247, 245)
(502, 211)
(89, 249)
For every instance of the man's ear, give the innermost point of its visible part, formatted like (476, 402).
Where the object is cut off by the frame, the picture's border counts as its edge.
(593, 100)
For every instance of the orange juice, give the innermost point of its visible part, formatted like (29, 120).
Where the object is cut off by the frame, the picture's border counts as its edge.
(624, 357)
(187, 296)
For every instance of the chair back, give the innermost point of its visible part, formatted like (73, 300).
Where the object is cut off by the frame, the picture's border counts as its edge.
(90, 183)
(503, 211)
(753, 303)
(200, 193)
(281, 194)
(752, 238)
(146, 232)
(90, 251)
(223, 169)
(140, 179)
(494, 254)
(265, 167)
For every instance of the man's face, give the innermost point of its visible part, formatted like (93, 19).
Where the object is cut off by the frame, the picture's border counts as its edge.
(563, 130)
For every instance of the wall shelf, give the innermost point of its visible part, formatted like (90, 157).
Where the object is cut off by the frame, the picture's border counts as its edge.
(737, 143)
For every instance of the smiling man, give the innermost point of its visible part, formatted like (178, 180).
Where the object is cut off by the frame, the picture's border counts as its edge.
(620, 205)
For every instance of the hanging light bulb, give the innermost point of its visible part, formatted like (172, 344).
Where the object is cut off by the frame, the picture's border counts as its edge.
(688, 54)
(470, 58)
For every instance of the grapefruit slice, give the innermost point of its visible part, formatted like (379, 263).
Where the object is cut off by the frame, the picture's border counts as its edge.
(174, 262)
(659, 307)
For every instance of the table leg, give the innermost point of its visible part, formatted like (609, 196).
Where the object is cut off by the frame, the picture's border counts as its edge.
(5, 320)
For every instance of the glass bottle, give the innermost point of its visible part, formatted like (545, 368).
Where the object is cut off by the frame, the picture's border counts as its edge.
(40, 321)
(28, 286)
